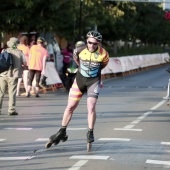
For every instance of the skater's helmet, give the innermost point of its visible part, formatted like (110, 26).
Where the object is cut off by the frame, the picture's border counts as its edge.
(79, 43)
(94, 34)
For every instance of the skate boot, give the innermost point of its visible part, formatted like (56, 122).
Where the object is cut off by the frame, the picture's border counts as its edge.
(90, 139)
(56, 138)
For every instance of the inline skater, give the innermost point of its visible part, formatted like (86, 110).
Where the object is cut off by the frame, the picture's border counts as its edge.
(91, 59)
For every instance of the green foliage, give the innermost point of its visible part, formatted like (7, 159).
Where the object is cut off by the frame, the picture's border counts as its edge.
(127, 21)
(136, 51)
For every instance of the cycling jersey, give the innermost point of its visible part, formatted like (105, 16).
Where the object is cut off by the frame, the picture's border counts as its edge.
(91, 62)
(89, 74)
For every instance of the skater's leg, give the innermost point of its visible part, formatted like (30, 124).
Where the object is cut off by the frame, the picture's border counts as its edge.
(91, 107)
(71, 106)
(73, 101)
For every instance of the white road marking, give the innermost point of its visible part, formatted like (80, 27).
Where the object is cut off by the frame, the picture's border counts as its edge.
(139, 130)
(1, 140)
(133, 123)
(89, 157)
(129, 126)
(15, 158)
(158, 162)
(115, 139)
(42, 139)
(165, 143)
(18, 128)
(158, 105)
(78, 165)
(76, 128)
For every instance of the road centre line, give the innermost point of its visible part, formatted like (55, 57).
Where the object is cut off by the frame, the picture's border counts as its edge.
(158, 162)
(148, 112)
(15, 158)
(78, 165)
(158, 105)
(133, 123)
(165, 143)
(114, 139)
(96, 157)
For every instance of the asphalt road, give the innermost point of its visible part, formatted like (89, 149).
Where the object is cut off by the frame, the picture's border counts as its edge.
(132, 130)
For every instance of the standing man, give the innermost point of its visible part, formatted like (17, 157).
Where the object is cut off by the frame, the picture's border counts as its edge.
(9, 79)
(37, 62)
(91, 59)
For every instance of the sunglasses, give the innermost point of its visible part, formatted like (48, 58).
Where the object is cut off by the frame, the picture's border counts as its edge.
(89, 42)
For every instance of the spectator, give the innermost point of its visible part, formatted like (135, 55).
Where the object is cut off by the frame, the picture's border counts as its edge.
(23, 46)
(9, 79)
(67, 54)
(37, 61)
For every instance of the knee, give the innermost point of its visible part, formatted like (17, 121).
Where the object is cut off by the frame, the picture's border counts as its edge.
(71, 108)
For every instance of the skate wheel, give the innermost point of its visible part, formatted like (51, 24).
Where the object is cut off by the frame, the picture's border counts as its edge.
(89, 146)
(48, 145)
(65, 138)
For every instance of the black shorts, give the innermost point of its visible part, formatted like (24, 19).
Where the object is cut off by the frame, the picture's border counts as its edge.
(82, 84)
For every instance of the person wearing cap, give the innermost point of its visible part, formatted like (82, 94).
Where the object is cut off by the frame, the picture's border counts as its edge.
(37, 62)
(9, 79)
(91, 58)
(23, 46)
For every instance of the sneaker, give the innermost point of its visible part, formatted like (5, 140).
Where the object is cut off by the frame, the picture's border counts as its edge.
(37, 95)
(28, 94)
(12, 113)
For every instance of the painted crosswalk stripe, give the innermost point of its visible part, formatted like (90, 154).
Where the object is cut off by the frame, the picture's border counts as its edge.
(18, 128)
(1, 140)
(115, 139)
(128, 129)
(42, 139)
(89, 157)
(158, 162)
(76, 128)
(78, 165)
(165, 143)
(129, 126)
(15, 158)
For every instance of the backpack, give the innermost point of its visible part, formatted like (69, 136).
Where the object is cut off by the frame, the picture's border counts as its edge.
(5, 61)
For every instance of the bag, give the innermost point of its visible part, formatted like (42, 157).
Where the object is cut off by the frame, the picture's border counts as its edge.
(5, 61)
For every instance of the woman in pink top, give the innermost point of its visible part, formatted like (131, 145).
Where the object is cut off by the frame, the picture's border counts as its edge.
(67, 54)
(37, 61)
(23, 46)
